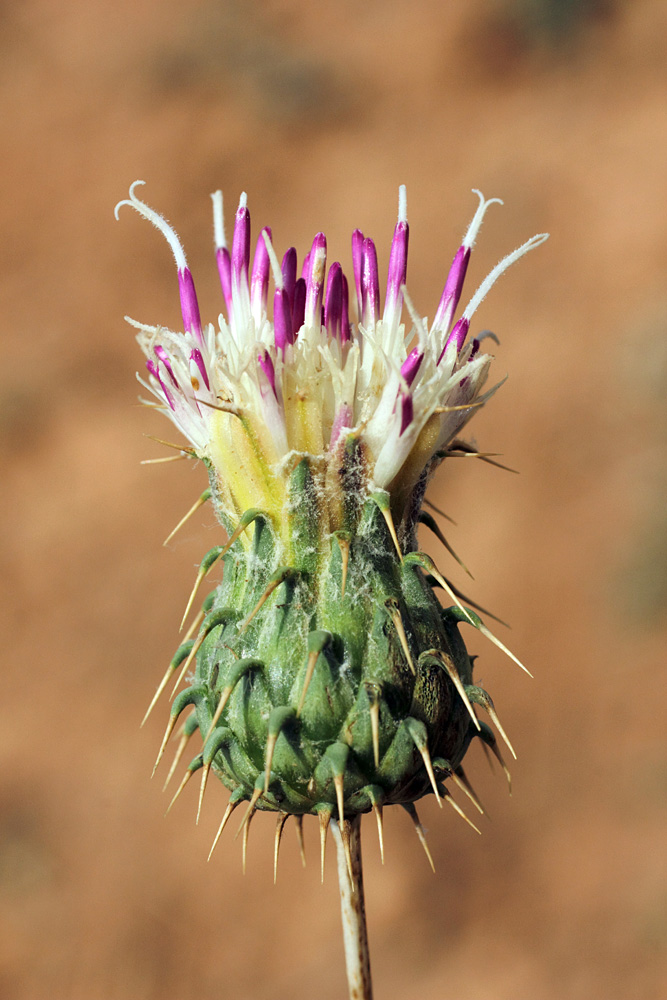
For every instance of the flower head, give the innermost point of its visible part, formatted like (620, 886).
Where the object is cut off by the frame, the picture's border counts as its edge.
(327, 677)
(301, 377)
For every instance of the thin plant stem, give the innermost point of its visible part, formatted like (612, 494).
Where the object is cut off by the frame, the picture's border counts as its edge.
(353, 912)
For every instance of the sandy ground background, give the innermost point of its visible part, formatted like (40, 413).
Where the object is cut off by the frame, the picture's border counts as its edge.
(319, 112)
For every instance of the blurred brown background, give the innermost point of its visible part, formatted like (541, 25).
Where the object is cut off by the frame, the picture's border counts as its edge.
(319, 112)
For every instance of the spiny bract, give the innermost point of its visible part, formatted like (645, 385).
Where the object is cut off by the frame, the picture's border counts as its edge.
(327, 678)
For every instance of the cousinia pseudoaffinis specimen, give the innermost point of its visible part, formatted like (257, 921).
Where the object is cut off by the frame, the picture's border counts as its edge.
(323, 675)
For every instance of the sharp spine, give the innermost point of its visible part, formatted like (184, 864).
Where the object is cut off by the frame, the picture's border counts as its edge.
(430, 522)
(317, 643)
(375, 795)
(480, 697)
(344, 544)
(325, 819)
(414, 816)
(207, 564)
(278, 577)
(344, 826)
(457, 808)
(192, 767)
(460, 779)
(395, 614)
(231, 806)
(446, 662)
(199, 502)
(184, 737)
(373, 694)
(181, 653)
(206, 770)
(299, 836)
(489, 742)
(282, 819)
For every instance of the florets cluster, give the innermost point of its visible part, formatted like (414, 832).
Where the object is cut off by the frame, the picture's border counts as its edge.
(256, 389)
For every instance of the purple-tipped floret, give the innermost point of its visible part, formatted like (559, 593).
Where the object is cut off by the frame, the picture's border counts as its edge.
(370, 284)
(410, 366)
(288, 269)
(344, 418)
(283, 329)
(259, 282)
(241, 247)
(225, 271)
(299, 307)
(452, 290)
(154, 370)
(189, 304)
(357, 259)
(317, 262)
(457, 336)
(333, 309)
(266, 364)
(196, 356)
(161, 353)
(345, 336)
(398, 266)
(407, 411)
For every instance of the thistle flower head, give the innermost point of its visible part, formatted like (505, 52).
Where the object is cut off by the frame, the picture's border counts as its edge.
(298, 378)
(327, 677)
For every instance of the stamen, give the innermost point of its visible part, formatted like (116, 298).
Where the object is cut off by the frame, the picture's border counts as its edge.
(407, 412)
(154, 371)
(451, 293)
(241, 241)
(166, 361)
(196, 356)
(299, 307)
(288, 270)
(315, 281)
(259, 282)
(370, 285)
(266, 364)
(282, 320)
(225, 271)
(239, 265)
(189, 304)
(357, 257)
(398, 262)
(344, 418)
(454, 285)
(333, 307)
(411, 365)
(345, 315)
(457, 336)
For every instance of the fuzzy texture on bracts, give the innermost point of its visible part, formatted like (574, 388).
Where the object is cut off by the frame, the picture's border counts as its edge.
(328, 678)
